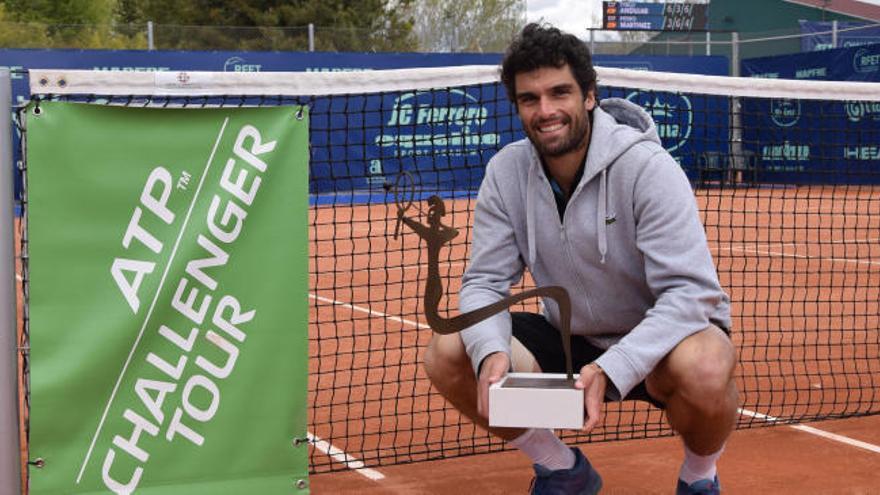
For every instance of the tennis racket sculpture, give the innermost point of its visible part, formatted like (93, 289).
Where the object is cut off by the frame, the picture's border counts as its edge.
(523, 400)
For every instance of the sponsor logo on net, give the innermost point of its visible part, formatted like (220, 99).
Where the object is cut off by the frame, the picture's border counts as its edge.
(785, 113)
(420, 125)
(861, 152)
(856, 111)
(785, 152)
(672, 113)
(811, 73)
(866, 60)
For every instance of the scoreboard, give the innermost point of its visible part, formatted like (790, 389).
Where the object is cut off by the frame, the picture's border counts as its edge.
(641, 16)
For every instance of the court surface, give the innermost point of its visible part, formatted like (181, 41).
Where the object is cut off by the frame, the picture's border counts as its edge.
(800, 264)
(805, 263)
(779, 460)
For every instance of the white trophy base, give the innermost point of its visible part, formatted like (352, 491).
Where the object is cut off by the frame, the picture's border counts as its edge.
(536, 400)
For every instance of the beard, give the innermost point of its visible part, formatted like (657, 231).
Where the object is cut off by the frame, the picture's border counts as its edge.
(578, 132)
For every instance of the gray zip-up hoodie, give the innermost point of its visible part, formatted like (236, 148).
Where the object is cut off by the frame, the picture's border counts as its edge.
(631, 249)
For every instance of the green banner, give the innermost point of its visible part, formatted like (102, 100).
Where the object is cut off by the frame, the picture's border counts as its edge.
(168, 299)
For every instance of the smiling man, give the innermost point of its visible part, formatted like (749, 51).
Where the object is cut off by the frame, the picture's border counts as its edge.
(592, 202)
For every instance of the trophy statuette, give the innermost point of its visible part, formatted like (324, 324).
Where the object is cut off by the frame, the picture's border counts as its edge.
(521, 400)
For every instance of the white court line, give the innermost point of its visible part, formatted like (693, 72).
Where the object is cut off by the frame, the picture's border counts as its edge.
(870, 240)
(340, 456)
(815, 431)
(800, 212)
(369, 311)
(783, 207)
(769, 245)
(326, 447)
(799, 256)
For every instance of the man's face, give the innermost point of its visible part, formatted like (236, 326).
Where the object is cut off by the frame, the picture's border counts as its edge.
(553, 110)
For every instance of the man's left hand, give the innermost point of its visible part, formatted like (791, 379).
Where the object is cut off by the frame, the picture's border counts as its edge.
(593, 382)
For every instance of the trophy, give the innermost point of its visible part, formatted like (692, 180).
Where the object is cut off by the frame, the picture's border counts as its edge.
(521, 400)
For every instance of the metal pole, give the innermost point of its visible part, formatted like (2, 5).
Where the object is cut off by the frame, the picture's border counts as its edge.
(734, 54)
(735, 132)
(834, 33)
(150, 45)
(311, 37)
(10, 454)
(592, 42)
(708, 43)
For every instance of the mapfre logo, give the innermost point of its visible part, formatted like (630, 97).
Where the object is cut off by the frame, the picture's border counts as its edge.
(430, 122)
(673, 115)
(866, 60)
(785, 113)
(856, 111)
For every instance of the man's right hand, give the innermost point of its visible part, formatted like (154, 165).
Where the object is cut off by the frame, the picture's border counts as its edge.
(494, 367)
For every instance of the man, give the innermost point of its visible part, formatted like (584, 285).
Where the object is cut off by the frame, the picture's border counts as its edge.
(592, 202)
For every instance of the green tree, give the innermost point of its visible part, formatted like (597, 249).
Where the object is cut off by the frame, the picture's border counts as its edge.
(61, 24)
(63, 12)
(21, 34)
(342, 25)
(475, 26)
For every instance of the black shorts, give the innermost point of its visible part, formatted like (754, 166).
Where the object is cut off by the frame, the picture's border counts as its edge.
(543, 340)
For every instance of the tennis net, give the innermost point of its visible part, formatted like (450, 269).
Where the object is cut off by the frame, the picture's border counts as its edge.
(786, 175)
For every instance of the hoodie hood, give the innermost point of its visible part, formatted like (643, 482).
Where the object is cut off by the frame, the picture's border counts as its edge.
(617, 125)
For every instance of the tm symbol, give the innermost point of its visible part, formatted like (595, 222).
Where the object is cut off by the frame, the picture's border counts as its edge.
(183, 181)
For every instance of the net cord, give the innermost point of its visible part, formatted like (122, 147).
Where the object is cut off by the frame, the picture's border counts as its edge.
(198, 83)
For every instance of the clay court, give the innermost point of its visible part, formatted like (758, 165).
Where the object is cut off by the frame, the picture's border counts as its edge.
(803, 271)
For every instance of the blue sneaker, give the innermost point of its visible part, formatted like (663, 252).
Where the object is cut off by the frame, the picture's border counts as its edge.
(581, 479)
(701, 487)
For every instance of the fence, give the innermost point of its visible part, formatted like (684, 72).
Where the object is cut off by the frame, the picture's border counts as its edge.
(152, 36)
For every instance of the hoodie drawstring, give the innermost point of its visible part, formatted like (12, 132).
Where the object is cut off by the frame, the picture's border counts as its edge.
(601, 217)
(530, 216)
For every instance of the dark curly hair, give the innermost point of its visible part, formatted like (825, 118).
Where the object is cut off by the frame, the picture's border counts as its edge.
(540, 46)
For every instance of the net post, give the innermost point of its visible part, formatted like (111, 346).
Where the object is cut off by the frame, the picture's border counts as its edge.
(734, 54)
(735, 137)
(736, 157)
(834, 33)
(10, 458)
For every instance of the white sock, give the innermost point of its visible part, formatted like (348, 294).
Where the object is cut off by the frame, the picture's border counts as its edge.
(544, 448)
(698, 467)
